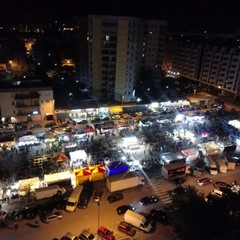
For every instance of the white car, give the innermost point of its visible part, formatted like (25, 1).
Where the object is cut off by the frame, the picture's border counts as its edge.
(52, 217)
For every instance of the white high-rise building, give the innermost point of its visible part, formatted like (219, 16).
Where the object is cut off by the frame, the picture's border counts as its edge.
(113, 45)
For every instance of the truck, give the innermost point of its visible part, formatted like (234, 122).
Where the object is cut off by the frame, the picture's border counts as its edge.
(199, 168)
(74, 198)
(123, 181)
(174, 170)
(211, 164)
(47, 192)
(230, 162)
(86, 194)
(138, 220)
(221, 165)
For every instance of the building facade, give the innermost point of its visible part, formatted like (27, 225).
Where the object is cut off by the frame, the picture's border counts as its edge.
(221, 69)
(152, 42)
(27, 105)
(113, 56)
(215, 66)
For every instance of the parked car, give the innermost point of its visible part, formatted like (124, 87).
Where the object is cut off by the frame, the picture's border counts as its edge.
(178, 191)
(30, 212)
(46, 208)
(97, 196)
(221, 185)
(204, 181)
(69, 236)
(160, 216)
(16, 215)
(122, 209)
(148, 200)
(51, 217)
(126, 228)
(86, 235)
(105, 233)
(114, 197)
(60, 202)
(179, 180)
(3, 215)
(236, 159)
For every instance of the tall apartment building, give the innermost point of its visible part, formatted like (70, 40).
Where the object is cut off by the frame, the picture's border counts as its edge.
(32, 104)
(186, 58)
(214, 65)
(152, 40)
(118, 48)
(221, 69)
(113, 56)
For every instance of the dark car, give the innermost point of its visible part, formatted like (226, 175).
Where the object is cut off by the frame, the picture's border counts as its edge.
(179, 181)
(236, 159)
(16, 215)
(221, 185)
(148, 200)
(122, 209)
(115, 197)
(178, 191)
(224, 187)
(60, 202)
(160, 216)
(46, 208)
(30, 212)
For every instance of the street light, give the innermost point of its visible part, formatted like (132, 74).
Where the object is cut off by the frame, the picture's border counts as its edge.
(122, 99)
(98, 203)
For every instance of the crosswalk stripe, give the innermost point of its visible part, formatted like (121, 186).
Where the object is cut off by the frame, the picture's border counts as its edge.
(158, 189)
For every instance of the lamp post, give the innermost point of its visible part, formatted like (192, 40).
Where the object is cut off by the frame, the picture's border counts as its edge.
(122, 99)
(98, 203)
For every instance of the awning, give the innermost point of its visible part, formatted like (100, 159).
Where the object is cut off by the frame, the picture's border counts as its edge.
(115, 109)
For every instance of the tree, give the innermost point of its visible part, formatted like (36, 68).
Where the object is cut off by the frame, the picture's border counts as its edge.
(194, 218)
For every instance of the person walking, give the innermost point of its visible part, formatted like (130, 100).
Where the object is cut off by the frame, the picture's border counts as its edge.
(16, 226)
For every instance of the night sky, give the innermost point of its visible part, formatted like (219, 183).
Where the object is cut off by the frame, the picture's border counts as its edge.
(203, 12)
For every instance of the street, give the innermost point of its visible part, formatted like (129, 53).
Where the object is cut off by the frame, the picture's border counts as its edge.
(105, 214)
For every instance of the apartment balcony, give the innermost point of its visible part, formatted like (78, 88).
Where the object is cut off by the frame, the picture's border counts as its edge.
(26, 113)
(26, 105)
(31, 95)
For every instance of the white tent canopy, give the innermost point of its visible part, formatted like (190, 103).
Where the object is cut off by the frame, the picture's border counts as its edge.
(78, 155)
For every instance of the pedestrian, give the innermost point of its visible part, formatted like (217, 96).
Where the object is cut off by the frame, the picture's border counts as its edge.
(16, 226)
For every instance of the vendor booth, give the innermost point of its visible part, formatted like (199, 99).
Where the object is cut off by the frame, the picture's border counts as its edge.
(77, 158)
(116, 167)
(209, 148)
(28, 185)
(191, 154)
(60, 177)
(92, 173)
(28, 140)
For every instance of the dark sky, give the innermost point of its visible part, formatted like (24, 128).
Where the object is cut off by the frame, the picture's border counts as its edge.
(176, 11)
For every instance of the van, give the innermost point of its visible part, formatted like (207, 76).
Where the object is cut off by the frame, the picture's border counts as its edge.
(137, 220)
(86, 235)
(74, 198)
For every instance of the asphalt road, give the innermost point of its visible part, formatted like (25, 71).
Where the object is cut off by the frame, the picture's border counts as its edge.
(105, 214)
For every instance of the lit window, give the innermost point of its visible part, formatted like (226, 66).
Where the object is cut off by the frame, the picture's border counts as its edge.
(107, 38)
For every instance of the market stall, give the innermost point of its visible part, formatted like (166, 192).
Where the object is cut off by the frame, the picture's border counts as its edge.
(92, 173)
(77, 159)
